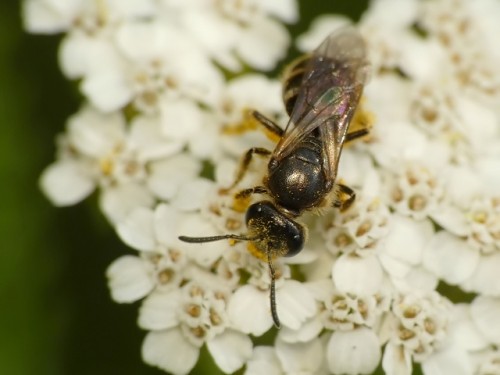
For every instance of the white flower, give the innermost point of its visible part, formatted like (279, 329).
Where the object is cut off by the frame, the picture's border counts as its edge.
(185, 319)
(472, 331)
(161, 262)
(51, 16)
(249, 307)
(230, 32)
(346, 311)
(353, 352)
(151, 68)
(285, 358)
(161, 143)
(99, 151)
(359, 229)
(414, 191)
(421, 326)
(445, 249)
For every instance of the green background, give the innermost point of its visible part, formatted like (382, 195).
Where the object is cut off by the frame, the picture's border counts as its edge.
(56, 316)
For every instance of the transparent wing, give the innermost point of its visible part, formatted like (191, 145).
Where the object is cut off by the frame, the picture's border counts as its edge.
(329, 93)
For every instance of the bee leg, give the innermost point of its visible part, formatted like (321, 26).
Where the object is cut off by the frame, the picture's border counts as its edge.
(275, 132)
(345, 197)
(243, 168)
(242, 198)
(243, 194)
(355, 135)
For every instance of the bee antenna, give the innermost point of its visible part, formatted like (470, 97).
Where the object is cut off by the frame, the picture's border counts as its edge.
(239, 237)
(272, 294)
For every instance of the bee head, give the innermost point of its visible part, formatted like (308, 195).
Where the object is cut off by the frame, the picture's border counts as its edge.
(271, 234)
(275, 234)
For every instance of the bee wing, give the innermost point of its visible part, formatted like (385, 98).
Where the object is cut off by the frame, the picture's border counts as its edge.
(329, 93)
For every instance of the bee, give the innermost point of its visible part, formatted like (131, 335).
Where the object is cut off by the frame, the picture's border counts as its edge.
(321, 92)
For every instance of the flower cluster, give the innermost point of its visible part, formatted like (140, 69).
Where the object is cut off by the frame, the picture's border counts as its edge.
(159, 136)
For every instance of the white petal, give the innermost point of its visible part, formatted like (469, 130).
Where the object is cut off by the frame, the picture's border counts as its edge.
(464, 331)
(263, 44)
(72, 57)
(294, 304)
(321, 268)
(361, 276)
(359, 170)
(445, 249)
(117, 201)
(81, 54)
(136, 230)
(146, 137)
(411, 62)
(215, 34)
(264, 361)
(142, 41)
(180, 119)
(320, 28)
(132, 9)
(451, 218)
(321, 289)
(462, 184)
(471, 112)
(404, 13)
(249, 310)
(285, 10)
(407, 239)
(166, 220)
(451, 360)
(203, 254)
(107, 90)
(42, 17)
(485, 313)
(205, 143)
(160, 310)
(183, 167)
(66, 183)
(417, 278)
(169, 351)
(394, 267)
(353, 352)
(485, 278)
(230, 350)
(306, 256)
(398, 142)
(129, 279)
(308, 331)
(247, 91)
(193, 194)
(94, 133)
(300, 358)
(396, 360)
(489, 171)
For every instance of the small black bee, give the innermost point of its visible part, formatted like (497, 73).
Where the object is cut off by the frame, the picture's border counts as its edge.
(321, 91)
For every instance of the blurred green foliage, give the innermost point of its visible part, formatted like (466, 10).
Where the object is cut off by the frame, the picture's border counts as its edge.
(56, 316)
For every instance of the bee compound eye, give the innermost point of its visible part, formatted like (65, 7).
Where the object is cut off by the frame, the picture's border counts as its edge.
(295, 239)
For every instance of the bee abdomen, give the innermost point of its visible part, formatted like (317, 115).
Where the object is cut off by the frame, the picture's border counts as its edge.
(292, 80)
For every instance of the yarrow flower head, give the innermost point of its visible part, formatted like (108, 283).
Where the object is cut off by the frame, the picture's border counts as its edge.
(170, 90)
